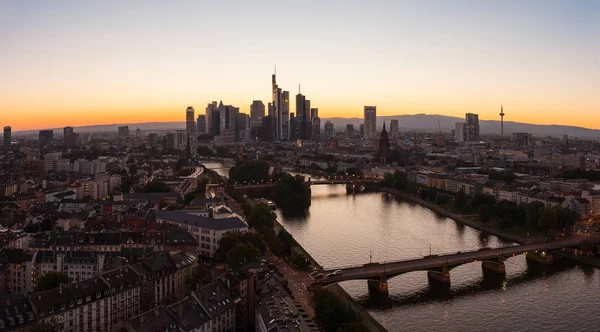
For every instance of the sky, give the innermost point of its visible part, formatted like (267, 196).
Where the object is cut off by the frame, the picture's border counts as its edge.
(103, 62)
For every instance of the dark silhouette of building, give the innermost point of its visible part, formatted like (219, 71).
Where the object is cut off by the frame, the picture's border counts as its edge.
(383, 151)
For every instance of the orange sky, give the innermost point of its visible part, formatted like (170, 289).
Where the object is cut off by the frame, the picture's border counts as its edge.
(85, 63)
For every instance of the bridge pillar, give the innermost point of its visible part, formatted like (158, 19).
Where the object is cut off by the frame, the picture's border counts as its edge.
(378, 286)
(543, 258)
(494, 266)
(439, 277)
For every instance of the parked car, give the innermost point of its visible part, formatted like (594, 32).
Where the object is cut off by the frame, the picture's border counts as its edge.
(338, 272)
(331, 275)
(319, 276)
(314, 273)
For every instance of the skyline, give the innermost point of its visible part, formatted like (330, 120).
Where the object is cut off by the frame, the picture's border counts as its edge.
(91, 64)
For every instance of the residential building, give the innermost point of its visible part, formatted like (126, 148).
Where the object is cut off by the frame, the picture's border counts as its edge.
(207, 231)
(45, 138)
(329, 130)
(394, 128)
(123, 131)
(191, 140)
(7, 138)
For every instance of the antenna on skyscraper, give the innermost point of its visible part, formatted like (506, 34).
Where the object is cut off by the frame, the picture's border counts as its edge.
(299, 89)
(276, 69)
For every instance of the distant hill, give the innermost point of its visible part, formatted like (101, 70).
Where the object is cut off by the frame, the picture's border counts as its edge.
(429, 123)
(415, 122)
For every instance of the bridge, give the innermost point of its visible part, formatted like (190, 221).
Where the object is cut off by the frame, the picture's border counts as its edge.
(438, 266)
(334, 180)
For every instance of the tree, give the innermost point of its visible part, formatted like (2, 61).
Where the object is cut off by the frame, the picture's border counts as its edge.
(292, 195)
(533, 212)
(41, 326)
(441, 199)
(484, 213)
(200, 276)
(261, 216)
(51, 280)
(460, 201)
(241, 254)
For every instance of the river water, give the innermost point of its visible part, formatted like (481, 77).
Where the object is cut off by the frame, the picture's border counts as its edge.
(343, 230)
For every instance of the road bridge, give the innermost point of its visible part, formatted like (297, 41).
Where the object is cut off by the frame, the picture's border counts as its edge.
(438, 266)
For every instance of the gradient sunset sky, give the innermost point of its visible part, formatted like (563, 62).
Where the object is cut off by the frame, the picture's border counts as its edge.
(99, 62)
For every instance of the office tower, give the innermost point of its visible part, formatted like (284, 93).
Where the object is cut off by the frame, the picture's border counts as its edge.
(169, 141)
(370, 121)
(123, 131)
(242, 127)
(45, 138)
(299, 120)
(190, 128)
(460, 131)
(501, 121)
(393, 128)
(227, 116)
(212, 110)
(362, 130)
(201, 124)
(294, 127)
(314, 113)
(285, 116)
(257, 113)
(316, 123)
(306, 123)
(472, 121)
(329, 130)
(7, 138)
(349, 131)
(383, 150)
(280, 110)
(69, 137)
(267, 128)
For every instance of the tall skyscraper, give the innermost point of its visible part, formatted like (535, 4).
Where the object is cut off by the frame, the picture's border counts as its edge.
(370, 120)
(257, 113)
(201, 124)
(394, 127)
(212, 111)
(460, 131)
(228, 116)
(7, 138)
(316, 123)
(472, 121)
(45, 138)
(190, 128)
(280, 110)
(303, 117)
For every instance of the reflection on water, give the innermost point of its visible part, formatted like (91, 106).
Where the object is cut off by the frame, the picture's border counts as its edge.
(343, 230)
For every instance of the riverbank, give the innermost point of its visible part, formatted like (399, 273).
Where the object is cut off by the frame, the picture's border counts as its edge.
(367, 321)
(461, 219)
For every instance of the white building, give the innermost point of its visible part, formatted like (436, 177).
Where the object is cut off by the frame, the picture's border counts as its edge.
(207, 231)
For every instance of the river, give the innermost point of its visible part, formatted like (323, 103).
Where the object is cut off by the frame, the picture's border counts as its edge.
(343, 229)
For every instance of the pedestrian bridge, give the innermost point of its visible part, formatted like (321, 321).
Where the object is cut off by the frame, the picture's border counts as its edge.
(438, 266)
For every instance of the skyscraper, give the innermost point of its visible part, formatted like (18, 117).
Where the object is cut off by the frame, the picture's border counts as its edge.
(45, 138)
(190, 128)
(370, 120)
(315, 123)
(281, 110)
(227, 116)
(212, 111)
(349, 130)
(7, 138)
(329, 130)
(257, 113)
(394, 127)
(69, 137)
(201, 124)
(472, 121)
(460, 131)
